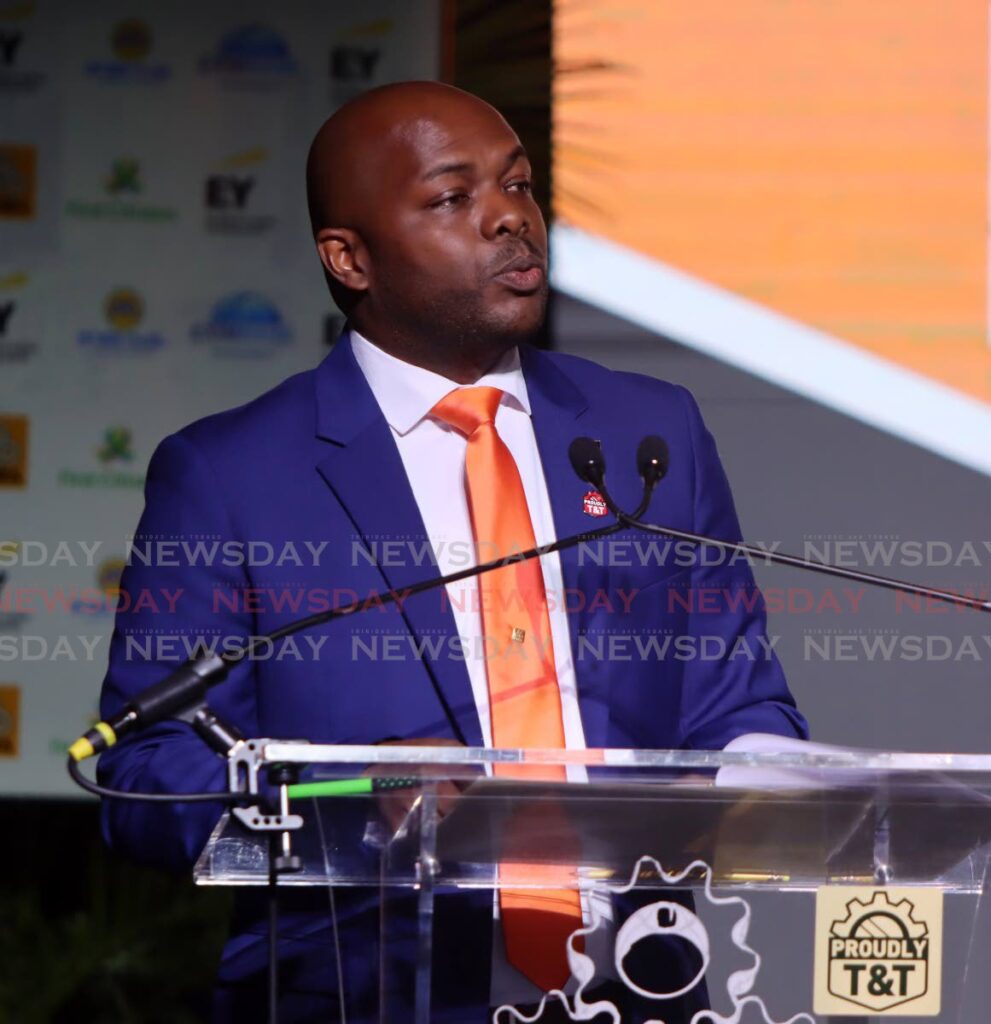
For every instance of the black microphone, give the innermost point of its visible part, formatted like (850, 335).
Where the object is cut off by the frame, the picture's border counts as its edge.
(587, 460)
(181, 689)
(653, 459)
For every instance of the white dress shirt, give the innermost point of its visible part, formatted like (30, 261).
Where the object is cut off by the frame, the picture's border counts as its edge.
(433, 455)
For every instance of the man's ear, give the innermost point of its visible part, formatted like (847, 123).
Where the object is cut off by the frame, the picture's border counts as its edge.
(344, 257)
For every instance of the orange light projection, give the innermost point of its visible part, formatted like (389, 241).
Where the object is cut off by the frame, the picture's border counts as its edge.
(825, 158)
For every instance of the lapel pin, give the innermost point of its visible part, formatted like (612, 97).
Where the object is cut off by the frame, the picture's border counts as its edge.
(594, 505)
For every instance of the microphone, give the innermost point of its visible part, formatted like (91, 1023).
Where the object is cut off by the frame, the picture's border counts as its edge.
(653, 460)
(181, 689)
(587, 460)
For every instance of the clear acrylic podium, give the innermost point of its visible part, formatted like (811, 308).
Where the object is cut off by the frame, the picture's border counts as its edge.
(752, 837)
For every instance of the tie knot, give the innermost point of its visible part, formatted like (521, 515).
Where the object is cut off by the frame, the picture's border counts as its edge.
(466, 409)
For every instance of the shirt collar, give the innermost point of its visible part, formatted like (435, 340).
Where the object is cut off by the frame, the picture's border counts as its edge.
(406, 393)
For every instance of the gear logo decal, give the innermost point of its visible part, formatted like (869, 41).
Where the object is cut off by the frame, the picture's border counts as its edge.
(662, 918)
(879, 955)
(878, 949)
(670, 920)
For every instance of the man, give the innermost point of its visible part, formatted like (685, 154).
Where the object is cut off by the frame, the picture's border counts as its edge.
(431, 421)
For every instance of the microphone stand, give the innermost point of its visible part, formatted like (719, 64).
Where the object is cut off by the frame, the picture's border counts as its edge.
(871, 579)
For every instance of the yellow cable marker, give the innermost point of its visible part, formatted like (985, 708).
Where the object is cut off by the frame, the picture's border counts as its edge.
(83, 747)
(106, 732)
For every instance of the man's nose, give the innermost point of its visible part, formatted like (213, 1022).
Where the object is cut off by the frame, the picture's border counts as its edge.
(503, 216)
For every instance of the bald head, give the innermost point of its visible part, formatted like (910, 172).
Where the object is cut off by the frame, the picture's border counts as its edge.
(421, 207)
(350, 156)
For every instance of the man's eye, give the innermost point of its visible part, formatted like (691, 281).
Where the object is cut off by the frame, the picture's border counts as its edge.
(449, 201)
(522, 186)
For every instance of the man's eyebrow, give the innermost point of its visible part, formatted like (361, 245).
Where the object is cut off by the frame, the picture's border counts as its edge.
(518, 151)
(452, 168)
(465, 167)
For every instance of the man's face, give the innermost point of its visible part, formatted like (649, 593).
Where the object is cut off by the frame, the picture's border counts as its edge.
(458, 245)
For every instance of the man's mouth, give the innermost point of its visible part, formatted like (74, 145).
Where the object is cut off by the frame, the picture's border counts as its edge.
(525, 274)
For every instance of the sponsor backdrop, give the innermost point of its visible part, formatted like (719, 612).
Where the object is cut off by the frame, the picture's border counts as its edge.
(155, 266)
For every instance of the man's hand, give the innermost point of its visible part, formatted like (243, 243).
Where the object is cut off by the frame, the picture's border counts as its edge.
(396, 804)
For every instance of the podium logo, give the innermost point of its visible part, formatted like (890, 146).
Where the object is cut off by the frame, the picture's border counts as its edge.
(677, 927)
(881, 951)
(10, 722)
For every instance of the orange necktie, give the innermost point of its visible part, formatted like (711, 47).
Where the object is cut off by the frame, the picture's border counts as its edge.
(524, 696)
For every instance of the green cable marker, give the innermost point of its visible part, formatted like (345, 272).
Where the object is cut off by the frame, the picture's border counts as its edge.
(351, 787)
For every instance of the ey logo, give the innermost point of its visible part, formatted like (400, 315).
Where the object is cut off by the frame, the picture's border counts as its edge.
(228, 191)
(353, 63)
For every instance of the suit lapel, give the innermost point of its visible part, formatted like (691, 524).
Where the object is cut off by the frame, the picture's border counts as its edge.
(365, 471)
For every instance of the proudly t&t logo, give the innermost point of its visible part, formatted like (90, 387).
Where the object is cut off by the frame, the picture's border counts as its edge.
(878, 950)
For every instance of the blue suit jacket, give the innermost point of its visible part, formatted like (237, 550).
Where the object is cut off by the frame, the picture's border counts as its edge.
(314, 460)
